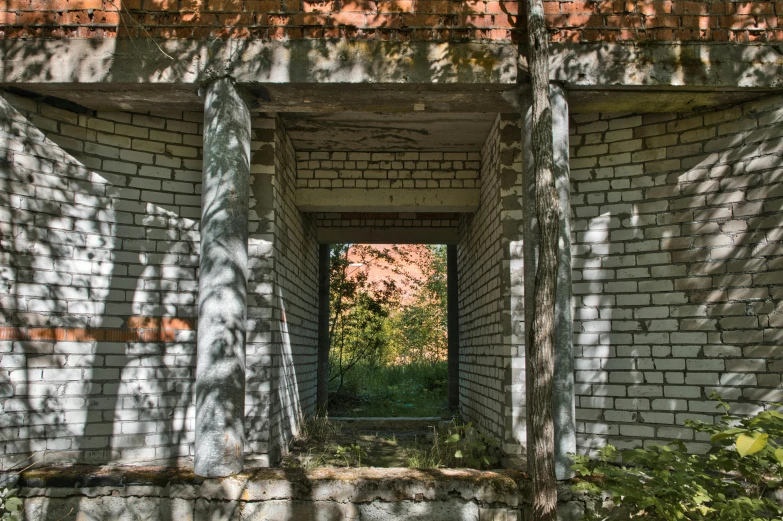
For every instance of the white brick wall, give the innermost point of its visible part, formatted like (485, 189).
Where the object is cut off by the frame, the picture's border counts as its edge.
(296, 269)
(678, 268)
(99, 216)
(336, 169)
(479, 264)
(492, 386)
(284, 273)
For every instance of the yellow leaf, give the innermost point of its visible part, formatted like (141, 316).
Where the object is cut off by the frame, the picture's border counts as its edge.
(748, 444)
(779, 455)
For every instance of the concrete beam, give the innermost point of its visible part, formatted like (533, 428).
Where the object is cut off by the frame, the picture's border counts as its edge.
(699, 65)
(705, 65)
(322, 77)
(361, 99)
(642, 99)
(387, 200)
(178, 61)
(407, 132)
(222, 299)
(309, 98)
(387, 235)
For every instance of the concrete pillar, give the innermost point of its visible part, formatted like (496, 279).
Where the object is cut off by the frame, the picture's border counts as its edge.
(323, 328)
(222, 304)
(452, 296)
(563, 385)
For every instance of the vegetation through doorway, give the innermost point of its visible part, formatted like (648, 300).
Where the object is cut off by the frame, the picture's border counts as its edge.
(388, 331)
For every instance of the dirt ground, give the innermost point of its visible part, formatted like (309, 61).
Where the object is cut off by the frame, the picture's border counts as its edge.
(358, 447)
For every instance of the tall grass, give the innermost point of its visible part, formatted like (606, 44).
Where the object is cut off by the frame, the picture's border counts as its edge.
(414, 389)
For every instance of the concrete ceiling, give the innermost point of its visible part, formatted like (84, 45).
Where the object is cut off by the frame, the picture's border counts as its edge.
(364, 117)
(412, 131)
(314, 100)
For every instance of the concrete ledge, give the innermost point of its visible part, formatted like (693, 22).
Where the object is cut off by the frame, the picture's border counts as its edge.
(401, 423)
(120, 494)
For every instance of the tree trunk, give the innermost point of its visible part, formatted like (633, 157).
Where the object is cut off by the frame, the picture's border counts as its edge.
(324, 332)
(540, 338)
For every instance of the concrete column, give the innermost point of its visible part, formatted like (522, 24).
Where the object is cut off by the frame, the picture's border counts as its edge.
(323, 327)
(452, 296)
(222, 304)
(563, 385)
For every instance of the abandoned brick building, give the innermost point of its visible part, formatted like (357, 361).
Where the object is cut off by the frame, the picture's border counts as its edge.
(160, 156)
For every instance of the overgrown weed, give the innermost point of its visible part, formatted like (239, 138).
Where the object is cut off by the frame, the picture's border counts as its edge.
(415, 389)
(460, 445)
(734, 480)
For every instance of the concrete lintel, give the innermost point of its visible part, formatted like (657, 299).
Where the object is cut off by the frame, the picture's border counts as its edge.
(190, 62)
(387, 235)
(387, 200)
(333, 76)
(178, 61)
(705, 65)
(301, 98)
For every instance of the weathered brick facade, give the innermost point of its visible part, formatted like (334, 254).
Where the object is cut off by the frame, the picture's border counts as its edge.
(395, 20)
(388, 169)
(100, 224)
(677, 268)
(100, 233)
(675, 230)
(144, 322)
(675, 157)
(480, 265)
(492, 348)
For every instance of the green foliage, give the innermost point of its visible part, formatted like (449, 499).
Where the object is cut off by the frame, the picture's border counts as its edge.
(367, 323)
(319, 428)
(461, 445)
(10, 504)
(423, 458)
(730, 482)
(419, 330)
(359, 311)
(351, 454)
(312, 460)
(416, 389)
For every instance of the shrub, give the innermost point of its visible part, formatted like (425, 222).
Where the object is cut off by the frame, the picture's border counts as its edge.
(461, 445)
(10, 504)
(733, 481)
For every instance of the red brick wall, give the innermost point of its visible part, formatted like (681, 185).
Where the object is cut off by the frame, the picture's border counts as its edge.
(396, 20)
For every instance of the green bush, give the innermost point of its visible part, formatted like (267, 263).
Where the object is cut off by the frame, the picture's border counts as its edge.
(460, 445)
(733, 481)
(10, 504)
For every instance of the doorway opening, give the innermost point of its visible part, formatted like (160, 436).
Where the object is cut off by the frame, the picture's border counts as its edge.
(388, 331)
